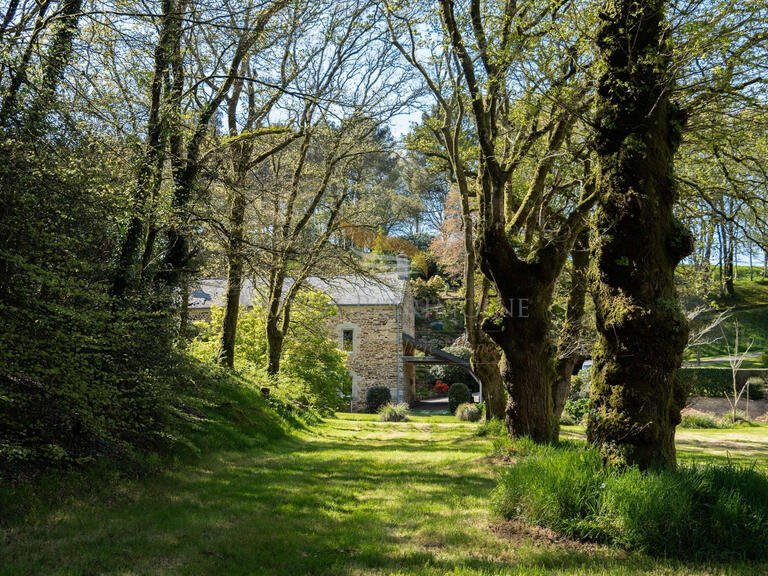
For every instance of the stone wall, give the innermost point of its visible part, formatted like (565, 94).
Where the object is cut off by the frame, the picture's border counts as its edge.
(374, 359)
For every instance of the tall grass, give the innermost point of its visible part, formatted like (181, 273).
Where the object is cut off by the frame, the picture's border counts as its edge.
(702, 513)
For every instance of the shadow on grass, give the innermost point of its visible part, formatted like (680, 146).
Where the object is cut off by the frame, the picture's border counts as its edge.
(410, 500)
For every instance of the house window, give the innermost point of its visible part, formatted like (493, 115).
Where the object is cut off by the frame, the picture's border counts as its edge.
(348, 340)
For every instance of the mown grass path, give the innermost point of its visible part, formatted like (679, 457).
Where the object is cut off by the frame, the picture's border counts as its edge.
(353, 496)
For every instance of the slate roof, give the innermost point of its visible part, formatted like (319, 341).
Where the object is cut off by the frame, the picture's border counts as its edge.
(385, 289)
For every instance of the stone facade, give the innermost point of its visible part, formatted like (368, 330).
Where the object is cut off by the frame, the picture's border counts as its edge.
(376, 358)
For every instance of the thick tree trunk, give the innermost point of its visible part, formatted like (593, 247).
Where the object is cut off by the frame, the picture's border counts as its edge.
(527, 368)
(636, 395)
(569, 348)
(485, 364)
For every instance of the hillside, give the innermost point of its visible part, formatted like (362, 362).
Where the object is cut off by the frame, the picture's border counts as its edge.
(750, 309)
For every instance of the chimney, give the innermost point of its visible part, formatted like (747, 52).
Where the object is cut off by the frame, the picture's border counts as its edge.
(403, 267)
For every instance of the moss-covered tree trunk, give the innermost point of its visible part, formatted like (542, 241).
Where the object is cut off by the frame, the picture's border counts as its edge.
(522, 332)
(636, 395)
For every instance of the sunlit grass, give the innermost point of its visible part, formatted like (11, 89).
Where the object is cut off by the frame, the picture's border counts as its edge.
(351, 496)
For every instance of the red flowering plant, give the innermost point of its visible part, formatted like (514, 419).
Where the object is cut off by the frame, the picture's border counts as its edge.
(441, 386)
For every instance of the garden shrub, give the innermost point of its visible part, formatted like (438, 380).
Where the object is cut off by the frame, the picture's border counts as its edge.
(394, 412)
(428, 290)
(467, 412)
(376, 397)
(567, 420)
(458, 394)
(713, 512)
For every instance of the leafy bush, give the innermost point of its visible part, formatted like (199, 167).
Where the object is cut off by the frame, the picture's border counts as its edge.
(580, 386)
(376, 397)
(704, 513)
(469, 412)
(567, 420)
(717, 382)
(696, 419)
(576, 410)
(313, 370)
(428, 290)
(394, 412)
(458, 394)
(764, 358)
(452, 372)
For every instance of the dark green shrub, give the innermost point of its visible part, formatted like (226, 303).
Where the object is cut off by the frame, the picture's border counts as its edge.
(764, 358)
(458, 394)
(467, 412)
(451, 372)
(376, 397)
(702, 513)
(394, 412)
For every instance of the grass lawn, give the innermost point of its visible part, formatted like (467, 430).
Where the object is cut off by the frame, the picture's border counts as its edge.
(351, 496)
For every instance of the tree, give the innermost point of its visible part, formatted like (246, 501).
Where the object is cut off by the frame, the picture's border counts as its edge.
(523, 273)
(636, 396)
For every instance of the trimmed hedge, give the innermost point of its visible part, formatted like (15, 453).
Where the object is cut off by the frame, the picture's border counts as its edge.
(458, 394)
(716, 382)
(376, 397)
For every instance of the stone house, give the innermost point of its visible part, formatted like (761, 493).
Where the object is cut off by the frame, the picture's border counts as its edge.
(374, 324)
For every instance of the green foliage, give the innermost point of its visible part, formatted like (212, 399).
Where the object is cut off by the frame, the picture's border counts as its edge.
(211, 409)
(376, 397)
(764, 358)
(82, 377)
(468, 412)
(705, 513)
(313, 371)
(576, 410)
(492, 427)
(428, 290)
(452, 372)
(458, 394)
(394, 412)
(717, 382)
